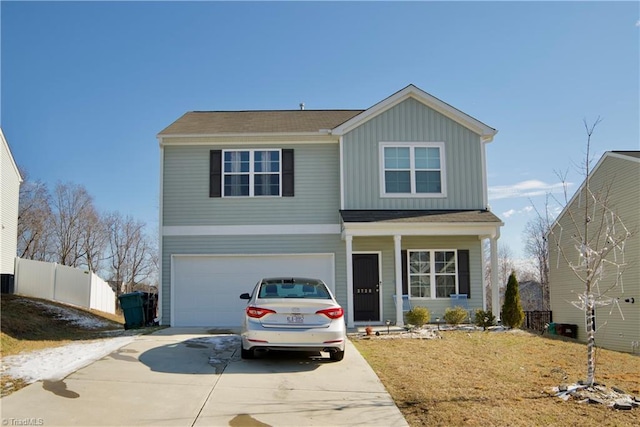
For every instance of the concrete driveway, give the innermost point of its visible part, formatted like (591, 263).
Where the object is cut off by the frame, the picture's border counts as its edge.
(195, 377)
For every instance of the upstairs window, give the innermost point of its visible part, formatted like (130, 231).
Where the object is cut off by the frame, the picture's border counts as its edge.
(412, 169)
(251, 173)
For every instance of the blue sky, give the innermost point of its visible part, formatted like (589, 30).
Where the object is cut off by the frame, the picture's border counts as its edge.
(86, 86)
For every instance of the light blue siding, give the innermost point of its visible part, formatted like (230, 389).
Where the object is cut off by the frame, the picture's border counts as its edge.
(186, 190)
(412, 121)
(435, 306)
(298, 244)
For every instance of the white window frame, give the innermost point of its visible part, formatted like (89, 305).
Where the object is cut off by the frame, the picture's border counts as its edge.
(412, 146)
(432, 273)
(252, 173)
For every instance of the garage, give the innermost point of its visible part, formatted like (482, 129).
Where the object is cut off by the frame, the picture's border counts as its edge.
(205, 289)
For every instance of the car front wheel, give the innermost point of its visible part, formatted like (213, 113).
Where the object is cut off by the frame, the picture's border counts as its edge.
(337, 355)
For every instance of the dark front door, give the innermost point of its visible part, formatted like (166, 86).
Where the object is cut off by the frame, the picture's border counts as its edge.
(366, 288)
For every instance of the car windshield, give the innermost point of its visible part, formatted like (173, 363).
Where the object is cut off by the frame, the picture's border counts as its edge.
(293, 288)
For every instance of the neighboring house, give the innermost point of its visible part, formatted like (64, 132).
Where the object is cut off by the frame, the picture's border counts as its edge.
(9, 198)
(531, 295)
(617, 174)
(379, 202)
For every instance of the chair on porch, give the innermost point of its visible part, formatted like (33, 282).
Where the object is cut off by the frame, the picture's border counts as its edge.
(461, 300)
(406, 303)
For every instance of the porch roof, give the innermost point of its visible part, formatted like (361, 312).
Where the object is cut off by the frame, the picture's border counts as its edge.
(420, 222)
(418, 216)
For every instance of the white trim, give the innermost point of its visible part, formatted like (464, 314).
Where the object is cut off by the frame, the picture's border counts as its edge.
(13, 163)
(341, 154)
(397, 249)
(349, 255)
(412, 145)
(380, 284)
(249, 230)
(432, 274)
(489, 229)
(485, 191)
(414, 92)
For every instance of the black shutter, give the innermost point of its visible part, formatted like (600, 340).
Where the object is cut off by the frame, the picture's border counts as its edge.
(215, 173)
(287, 173)
(464, 278)
(405, 279)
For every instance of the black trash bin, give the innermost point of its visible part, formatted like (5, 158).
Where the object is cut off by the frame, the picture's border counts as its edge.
(132, 306)
(150, 303)
(570, 330)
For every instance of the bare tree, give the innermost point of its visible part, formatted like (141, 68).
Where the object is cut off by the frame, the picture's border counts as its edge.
(535, 245)
(34, 217)
(598, 234)
(130, 251)
(94, 238)
(72, 209)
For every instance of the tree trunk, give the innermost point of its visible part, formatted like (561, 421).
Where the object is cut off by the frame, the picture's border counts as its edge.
(591, 339)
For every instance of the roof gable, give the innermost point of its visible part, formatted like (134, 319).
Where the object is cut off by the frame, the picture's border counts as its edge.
(487, 133)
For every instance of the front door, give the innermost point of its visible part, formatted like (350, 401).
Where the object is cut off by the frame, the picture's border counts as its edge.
(366, 288)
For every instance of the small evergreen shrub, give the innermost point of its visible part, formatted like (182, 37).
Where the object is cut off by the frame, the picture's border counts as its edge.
(418, 316)
(512, 313)
(455, 316)
(484, 319)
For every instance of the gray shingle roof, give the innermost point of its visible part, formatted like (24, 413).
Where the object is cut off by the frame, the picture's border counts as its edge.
(238, 122)
(417, 216)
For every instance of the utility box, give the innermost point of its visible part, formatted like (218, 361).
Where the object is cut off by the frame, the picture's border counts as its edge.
(132, 305)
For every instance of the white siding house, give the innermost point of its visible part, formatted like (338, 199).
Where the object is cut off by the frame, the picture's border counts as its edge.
(9, 196)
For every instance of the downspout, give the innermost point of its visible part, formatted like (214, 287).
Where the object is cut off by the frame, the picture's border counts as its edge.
(160, 226)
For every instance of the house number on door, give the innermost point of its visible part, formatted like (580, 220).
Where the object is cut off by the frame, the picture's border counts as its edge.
(364, 291)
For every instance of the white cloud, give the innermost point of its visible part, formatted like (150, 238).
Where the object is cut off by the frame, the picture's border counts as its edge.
(638, 23)
(529, 188)
(508, 213)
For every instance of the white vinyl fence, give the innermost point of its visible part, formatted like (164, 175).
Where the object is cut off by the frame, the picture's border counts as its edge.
(65, 284)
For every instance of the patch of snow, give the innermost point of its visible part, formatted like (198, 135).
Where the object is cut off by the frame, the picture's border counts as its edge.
(58, 362)
(73, 316)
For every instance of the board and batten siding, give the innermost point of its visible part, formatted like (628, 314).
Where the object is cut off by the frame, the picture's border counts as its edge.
(613, 332)
(412, 121)
(385, 245)
(9, 199)
(186, 198)
(245, 245)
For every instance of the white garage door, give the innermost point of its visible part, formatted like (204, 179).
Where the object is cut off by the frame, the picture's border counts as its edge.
(206, 289)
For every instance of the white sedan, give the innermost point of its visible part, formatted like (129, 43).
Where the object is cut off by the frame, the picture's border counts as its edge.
(296, 314)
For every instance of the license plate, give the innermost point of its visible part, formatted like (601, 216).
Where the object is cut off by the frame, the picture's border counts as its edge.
(296, 318)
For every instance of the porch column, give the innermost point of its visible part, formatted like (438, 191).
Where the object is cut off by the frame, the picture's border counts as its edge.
(397, 240)
(349, 247)
(495, 286)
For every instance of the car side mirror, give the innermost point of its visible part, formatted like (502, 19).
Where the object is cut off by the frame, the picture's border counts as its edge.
(245, 296)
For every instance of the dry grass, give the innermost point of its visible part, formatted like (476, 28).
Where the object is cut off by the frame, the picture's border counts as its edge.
(26, 327)
(496, 379)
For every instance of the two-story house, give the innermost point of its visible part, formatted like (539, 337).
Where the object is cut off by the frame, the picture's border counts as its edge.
(387, 201)
(613, 182)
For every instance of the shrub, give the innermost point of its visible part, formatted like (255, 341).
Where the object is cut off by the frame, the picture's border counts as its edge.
(512, 314)
(418, 316)
(484, 319)
(455, 316)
